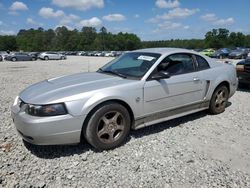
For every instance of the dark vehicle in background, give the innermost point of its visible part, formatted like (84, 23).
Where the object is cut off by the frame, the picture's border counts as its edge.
(221, 53)
(20, 56)
(239, 53)
(90, 53)
(35, 54)
(71, 53)
(243, 72)
(1, 58)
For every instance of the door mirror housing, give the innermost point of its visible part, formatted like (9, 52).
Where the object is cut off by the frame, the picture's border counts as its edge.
(160, 75)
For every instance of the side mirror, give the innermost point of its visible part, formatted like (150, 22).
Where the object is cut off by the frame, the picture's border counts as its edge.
(160, 75)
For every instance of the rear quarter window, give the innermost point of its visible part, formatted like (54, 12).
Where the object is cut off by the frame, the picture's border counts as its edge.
(202, 63)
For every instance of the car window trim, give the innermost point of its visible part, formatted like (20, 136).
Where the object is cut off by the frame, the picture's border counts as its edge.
(197, 64)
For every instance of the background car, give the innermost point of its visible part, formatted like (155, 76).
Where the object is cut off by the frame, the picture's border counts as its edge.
(243, 72)
(34, 54)
(221, 53)
(239, 53)
(73, 53)
(208, 52)
(19, 56)
(1, 58)
(4, 54)
(51, 55)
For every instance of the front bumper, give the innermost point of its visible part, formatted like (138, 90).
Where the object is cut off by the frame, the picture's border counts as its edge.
(54, 130)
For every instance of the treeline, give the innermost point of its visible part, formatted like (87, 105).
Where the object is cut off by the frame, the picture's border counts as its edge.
(217, 38)
(62, 39)
(88, 38)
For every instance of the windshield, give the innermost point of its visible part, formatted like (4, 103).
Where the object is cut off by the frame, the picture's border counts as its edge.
(131, 64)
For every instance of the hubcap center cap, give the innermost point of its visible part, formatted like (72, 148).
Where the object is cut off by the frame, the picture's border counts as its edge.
(111, 127)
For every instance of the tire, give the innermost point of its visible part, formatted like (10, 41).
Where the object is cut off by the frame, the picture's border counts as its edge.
(13, 59)
(46, 58)
(33, 59)
(219, 100)
(220, 57)
(108, 126)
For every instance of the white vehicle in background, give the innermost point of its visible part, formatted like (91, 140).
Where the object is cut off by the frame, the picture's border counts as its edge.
(82, 53)
(110, 54)
(51, 55)
(4, 54)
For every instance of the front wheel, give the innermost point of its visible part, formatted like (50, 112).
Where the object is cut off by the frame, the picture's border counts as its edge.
(108, 126)
(219, 100)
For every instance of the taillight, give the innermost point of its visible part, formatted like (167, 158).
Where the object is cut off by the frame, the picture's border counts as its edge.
(240, 68)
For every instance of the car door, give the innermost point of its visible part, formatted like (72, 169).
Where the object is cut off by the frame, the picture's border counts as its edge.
(26, 57)
(182, 88)
(22, 57)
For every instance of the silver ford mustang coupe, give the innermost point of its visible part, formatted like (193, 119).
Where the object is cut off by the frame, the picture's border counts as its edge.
(138, 89)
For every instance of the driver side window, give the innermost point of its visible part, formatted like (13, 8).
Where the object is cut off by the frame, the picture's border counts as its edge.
(177, 64)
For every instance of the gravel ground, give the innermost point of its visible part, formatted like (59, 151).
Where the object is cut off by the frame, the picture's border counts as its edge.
(198, 150)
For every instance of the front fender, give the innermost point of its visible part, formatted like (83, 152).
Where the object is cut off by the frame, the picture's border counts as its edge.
(131, 95)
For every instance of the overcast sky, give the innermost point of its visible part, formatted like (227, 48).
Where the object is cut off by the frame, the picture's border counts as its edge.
(149, 19)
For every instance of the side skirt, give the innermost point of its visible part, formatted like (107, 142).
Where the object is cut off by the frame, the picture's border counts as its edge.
(169, 114)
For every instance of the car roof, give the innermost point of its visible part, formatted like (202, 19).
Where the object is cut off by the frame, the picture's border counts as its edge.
(165, 50)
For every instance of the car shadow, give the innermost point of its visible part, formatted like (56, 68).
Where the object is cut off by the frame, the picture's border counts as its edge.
(244, 89)
(57, 151)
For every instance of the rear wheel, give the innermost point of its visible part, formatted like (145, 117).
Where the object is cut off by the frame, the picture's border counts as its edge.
(33, 59)
(46, 58)
(108, 126)
(14, 59)
(219, 100)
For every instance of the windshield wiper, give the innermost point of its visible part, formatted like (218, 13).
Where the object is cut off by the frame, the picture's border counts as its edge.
(112, 72)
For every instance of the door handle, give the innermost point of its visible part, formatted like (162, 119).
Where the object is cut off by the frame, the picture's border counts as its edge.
(196, 79)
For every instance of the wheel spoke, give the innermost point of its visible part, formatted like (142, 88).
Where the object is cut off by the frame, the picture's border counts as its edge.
(114, 119)
(105, 120)
(120, 127)
(103, 131)
(111, 136)
(222, 94)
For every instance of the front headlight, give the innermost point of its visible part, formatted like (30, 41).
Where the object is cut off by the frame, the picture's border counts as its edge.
(46, 110)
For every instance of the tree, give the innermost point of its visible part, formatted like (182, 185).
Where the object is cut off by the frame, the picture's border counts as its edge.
(8, 43)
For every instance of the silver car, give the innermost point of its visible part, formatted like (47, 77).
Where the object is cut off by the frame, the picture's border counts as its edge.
(51, 55)
(138, 89)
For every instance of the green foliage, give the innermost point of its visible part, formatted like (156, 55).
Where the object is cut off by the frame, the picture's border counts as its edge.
(8, 43)
(62, 39)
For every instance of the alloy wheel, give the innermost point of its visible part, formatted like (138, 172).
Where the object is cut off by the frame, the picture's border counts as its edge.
(220, 99)
(110, 127)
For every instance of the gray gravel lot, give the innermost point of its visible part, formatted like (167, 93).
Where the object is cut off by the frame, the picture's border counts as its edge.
(198, 150)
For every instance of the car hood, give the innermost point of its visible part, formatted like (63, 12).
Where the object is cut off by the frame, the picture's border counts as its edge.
(49, 91)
